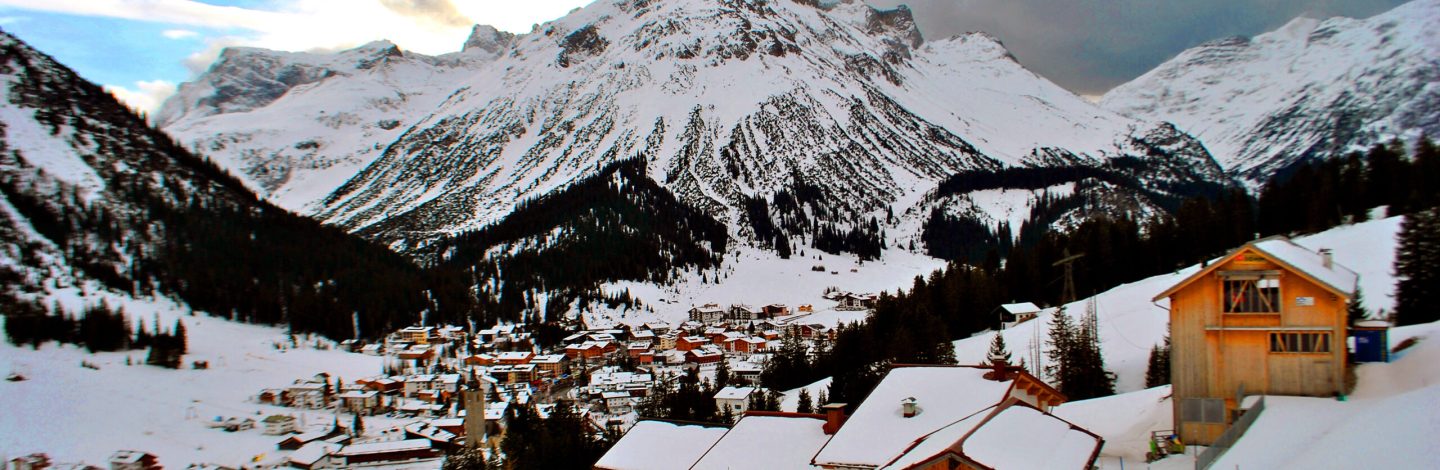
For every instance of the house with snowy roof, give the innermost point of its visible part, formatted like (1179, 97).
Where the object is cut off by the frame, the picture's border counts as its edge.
(1268, 318)
(735, 399)
(1017, 313)
(918, 417)
(708, 313)
(386, 453)
(133, 460)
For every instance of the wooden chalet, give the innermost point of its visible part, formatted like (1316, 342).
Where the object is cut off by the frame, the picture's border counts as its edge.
(1269, 318)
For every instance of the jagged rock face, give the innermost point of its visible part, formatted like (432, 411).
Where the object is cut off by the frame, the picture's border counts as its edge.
(296, 125)
(1311, 89)
(723, 99)
(487, 38)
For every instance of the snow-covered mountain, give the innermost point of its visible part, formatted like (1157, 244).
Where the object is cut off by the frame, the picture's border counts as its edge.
(295, 125)
(1310, 89)
(93, 197)
(725, 100)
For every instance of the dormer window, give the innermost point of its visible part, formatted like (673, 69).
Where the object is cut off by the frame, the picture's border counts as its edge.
(1251, 291)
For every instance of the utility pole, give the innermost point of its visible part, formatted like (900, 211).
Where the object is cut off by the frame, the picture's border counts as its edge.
(1067, 294)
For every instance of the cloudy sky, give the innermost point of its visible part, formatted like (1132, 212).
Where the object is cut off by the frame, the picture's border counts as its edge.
(140, 49)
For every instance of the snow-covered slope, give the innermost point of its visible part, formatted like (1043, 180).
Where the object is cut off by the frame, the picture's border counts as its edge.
(74, 413)
(1130, 324)
(296, 125)
(1313, 88)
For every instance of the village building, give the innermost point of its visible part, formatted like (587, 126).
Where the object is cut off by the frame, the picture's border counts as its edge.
(659, 328)
(276, 425)
(386, 453)
(852, 301)
(514, 357)
(590, 350)
(415, 334)
(666, 342)
(741, 312)
(1269, 318)
(414, 384)
(133, 460)
(550, 365)
(914, 419)
(312, 456)
(708, 313)
(1016, 313)
(439, 438)
(774, 310)
(362, 403)
(704, 355)
(618, 402)
(687, 343)
(734, 399)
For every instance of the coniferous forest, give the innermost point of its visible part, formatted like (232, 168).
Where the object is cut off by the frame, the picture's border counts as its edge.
(167, 222)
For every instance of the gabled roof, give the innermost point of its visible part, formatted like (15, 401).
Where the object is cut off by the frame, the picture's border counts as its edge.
(1022, 307)
(1006, 438)
(878, 432)
(660, 445)
(1337, 279)
(778, 441)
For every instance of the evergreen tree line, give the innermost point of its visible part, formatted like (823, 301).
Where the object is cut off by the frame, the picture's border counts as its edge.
(98, 328)
(916, 326)
(563, 440)
(614, 226)
(803, 212)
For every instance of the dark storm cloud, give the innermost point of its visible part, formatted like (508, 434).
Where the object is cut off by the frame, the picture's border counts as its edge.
(441, 12)
(1090, 46)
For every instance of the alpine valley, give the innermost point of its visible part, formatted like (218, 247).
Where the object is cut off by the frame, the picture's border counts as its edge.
(551, 207)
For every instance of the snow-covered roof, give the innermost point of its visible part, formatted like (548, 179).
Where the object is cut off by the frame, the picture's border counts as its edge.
(1022, 307)
(1338, 279)
(938, 442)
(385, 447)
(515, 355)
(734, 393)
(310, 453)
(127, 456)
(766, 442)
(358, 394)
(615, 394)
(660, 445)
(878, 431)
(1021, 437)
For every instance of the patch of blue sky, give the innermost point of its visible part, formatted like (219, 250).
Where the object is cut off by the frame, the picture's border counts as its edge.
(109, 50)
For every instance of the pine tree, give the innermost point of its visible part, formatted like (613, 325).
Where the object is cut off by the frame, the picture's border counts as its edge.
(805, 405)
(722, 374)
(1158, 371)
(1417, 264)
(182, 345)
(1356, 310)
(1061, 342)
(997, 350)
(357, 427)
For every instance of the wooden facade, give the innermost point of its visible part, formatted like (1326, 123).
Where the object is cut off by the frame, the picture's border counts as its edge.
(1267, 319)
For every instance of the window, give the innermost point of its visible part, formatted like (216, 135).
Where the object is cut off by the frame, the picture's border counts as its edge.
(1203, 410)
(1300, 342)
(1253, 293)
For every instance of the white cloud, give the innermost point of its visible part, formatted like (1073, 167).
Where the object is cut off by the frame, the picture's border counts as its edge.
(179, 33)
(145, 97)
(425, 26)
(9, 20)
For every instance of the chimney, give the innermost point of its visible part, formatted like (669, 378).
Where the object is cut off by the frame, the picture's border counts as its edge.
(908, 406)
(1001, 370)
(834, 417)
(1327, 258)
